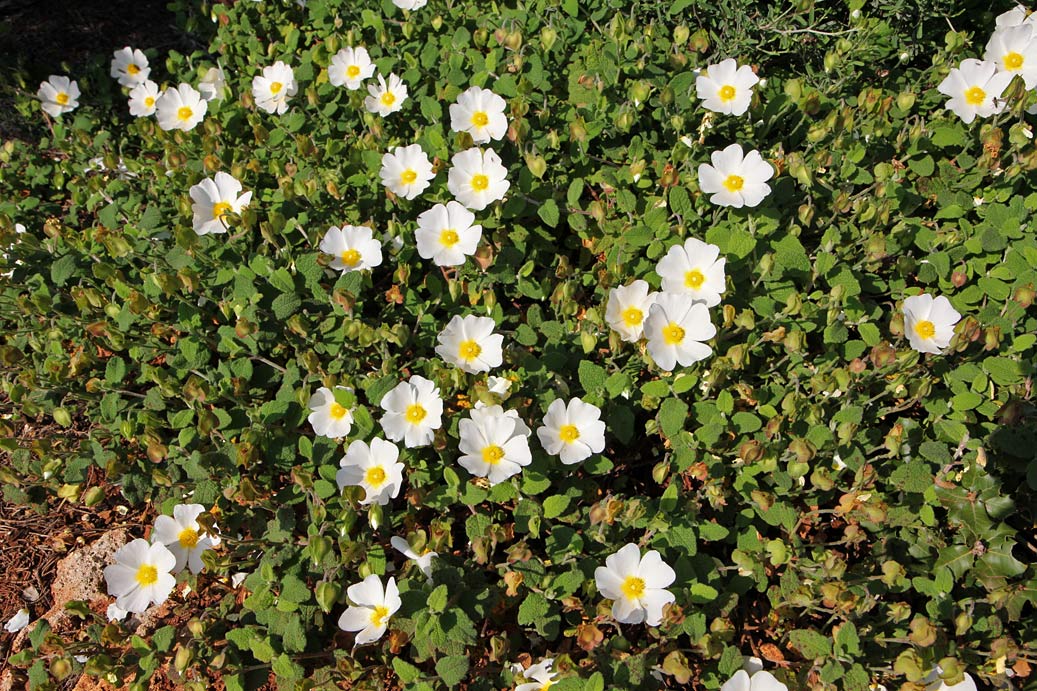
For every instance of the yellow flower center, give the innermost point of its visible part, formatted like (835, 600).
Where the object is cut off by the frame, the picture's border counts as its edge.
(480, 182)
(337, 412)
(408, 176)
(1013, 61)
(219, 210)
(694, 279)
(188, 538)
(375, 476)
(925, 329)
(448, 238)
(275, 87)
(726, 93)
(379, 615)
(468, 350)
(149, 101)
(633, 316)
(673, 334)
(352, 71)
(568, 433)
(975, 96)
(415, 414)
(633, 587)
(146, 574)
(61, 98)
(388, 98)
(184, 113)
(132, 69)
(350, 257)
(733, 183)
(492, 455)
(480, 119)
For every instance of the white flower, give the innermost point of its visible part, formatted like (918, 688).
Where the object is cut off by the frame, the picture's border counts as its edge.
(350, 67)
(329, 418)
(494, 443)
(413, 411)
(184, 537)
(929, 323)
(736, 180)
(759, 681)
(726, 87)
(975, 87)
(140, 575)
(498, 385)
(130, 67)
(213, 199)
(572, 431)
(695, 269)
(676, 328)
(627, 308)
(480, 113)
(212, 84)
(274, 87)
(541, 675)
(446, 234)
(372, 609)
(180, 109)
(410, 4)
(423, 560)
(1014, 50)
(143, 99)
(935, 683)
(115, 612)
(352, 248)
(470, 343)
(1014, 17)
(18, 622)
(58, 95)
(636, 584)
(375, 468)
(386, 97)
(477, 178)
(406, 171)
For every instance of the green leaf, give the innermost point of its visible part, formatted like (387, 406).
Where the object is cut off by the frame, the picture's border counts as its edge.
(592, 377)
(810, 643)
(548, 213)
(534, 608)
(672, 415)
(555, 506)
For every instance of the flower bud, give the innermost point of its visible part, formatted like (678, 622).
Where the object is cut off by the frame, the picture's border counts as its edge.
(700, 41)
(548, 36)
(327, 595)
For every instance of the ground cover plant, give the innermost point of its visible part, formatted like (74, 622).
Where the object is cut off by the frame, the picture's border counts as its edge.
(582, 344)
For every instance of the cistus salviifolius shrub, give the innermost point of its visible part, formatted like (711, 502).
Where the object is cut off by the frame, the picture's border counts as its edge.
(697, 332)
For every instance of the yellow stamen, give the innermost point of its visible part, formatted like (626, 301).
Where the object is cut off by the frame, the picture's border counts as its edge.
(733, 183)
(415, 414)
(275, 87)
(480, 182)
(184, 113)
(61, 98)
(219, 210)
(337, 412)
(448, 238)
(375, 476)
(673, 334)
(388, 98)
(925, 329)
(146, 574)
(149, 101)
(379, 615)
(633, 587)
(694, 279)
(350, 257)
(975, 96)
(132, 69)
(480, 119)
(1013, 61)
(492, 455)
(726, 93)
(633, 316)
(468, 350)
(408, 176)
(568, 433)
(188, 538)
(352, 71)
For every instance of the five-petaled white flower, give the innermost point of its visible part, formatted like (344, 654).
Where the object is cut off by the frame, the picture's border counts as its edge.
(413, 412)
(423, 560)
(636, 584)
(143, 99)
(58, 95)
(759, 681)
(929, 322)
(406, 171)
(726, 87)
(184, 537)
(328, 417)
(627, 308)
(376, 468)
(386, 97)
(180, 109)
(572, 431)
(447, 234)
(735, 179)
(676, 328)
(469, 343)
(213, 199)
(494, 443)
(498, 385)
(352, 248)
(212, 84)
(274, 87)
(371, 610)
(541, 674)
(477, 178)
(975, 88)
(350, 67)
(140, 575)
(694, 268)
(130, 66)
(480, 113)
(1014, 50)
